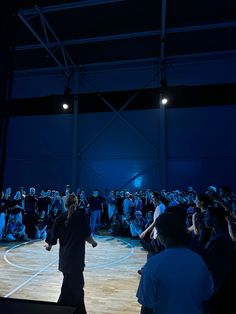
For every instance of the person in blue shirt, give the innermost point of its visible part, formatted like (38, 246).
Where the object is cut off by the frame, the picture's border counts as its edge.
(176, 280)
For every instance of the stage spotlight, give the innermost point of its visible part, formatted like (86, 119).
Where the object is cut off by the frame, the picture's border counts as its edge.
(65, 106)
(164, 100)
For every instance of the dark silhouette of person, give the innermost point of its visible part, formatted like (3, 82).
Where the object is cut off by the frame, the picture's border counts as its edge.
(72, 228)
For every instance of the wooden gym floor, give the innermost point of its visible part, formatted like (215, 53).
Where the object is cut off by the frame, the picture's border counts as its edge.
(28, 271)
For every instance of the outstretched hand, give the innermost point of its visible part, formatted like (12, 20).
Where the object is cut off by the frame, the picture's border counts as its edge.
(48, 247)
(94, 244)
(142, 235)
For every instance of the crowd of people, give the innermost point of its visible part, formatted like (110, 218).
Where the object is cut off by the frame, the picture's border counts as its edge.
(121, 212)
(172, 226)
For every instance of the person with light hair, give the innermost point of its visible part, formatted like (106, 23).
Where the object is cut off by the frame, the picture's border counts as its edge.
(72, 228)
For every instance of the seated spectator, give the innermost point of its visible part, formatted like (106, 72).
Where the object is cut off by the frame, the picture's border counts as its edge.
(172, 200)
(137, 224)
(115, 227)
(41, 226)
(15, 230)
(16, 206)
(125, 225)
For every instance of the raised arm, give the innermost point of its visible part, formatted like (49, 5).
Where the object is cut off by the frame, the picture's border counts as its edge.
(149, 229)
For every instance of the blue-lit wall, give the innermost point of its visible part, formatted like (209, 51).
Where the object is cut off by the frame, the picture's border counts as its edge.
(39, 151)
(201, 146)
(201, 149)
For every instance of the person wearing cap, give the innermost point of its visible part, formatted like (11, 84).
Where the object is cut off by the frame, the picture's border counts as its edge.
(137, 224)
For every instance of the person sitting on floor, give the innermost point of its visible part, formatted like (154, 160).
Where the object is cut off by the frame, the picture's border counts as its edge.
(137, 224)
(15, 230)
(41, 226)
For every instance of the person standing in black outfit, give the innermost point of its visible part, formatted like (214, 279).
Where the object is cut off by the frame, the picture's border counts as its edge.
(73, 230)
(30, 216)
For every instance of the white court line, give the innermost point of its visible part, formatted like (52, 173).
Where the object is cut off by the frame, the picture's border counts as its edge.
(108, 264)
(54, 261)
(115, 262)
(112, 263)
(13, 248)
(28, 280)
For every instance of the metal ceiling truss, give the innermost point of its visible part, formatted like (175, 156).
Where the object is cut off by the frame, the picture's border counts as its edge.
(133, 35)
(137, 63)
(63, 59)
(71, 5)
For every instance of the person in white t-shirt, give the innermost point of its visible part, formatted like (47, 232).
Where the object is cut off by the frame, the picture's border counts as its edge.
(153, 243)
(176, 280)
(159, 209)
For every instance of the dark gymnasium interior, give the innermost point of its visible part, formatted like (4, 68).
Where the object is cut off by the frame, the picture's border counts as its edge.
(117, 94)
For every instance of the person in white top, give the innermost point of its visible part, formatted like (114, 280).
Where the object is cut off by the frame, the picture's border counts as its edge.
(154, 246)
(176, 280)
(159, 209)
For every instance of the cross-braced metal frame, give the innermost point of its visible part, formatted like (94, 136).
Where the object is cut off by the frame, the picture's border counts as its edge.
(56, 49)
(65, 62)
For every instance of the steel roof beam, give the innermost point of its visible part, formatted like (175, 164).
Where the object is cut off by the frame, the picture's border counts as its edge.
(43, 45)
(45, 23)
(97, 39)
(145, 62)
(47, 27)
(70, 6)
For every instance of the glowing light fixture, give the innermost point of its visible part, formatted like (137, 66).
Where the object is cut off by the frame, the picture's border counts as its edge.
(164, 101)
(65, 106)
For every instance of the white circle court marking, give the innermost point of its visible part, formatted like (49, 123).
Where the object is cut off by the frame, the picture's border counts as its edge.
(102, 265)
